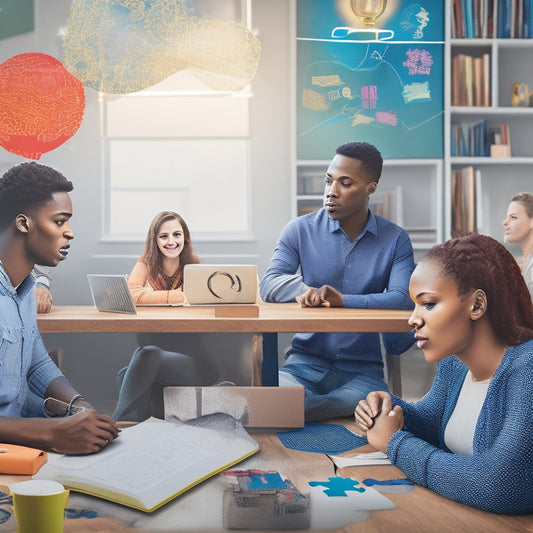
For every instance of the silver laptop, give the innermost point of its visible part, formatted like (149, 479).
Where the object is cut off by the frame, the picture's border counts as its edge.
(111, 293)
(220, 284)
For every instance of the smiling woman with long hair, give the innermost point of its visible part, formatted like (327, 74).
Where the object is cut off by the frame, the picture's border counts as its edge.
(470, 438)
(158, 275)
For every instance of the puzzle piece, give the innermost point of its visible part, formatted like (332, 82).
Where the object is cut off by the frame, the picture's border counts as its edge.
(337, 486)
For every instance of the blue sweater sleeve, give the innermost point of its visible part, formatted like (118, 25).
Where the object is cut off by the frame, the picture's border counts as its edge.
(498, 477)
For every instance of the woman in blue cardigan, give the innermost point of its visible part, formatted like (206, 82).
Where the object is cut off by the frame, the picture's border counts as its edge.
(470, 438)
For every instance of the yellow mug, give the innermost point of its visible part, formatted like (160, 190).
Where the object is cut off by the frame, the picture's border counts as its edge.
(39, 506)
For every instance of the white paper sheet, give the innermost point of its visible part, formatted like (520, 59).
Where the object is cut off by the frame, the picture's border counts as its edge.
(366, 459)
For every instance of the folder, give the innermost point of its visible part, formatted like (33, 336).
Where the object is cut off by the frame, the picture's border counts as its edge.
(20, 460)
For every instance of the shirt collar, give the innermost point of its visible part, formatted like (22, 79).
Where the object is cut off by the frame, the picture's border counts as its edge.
(26, 285)
(371, 225)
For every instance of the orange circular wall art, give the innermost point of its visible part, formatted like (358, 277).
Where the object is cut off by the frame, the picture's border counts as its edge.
(41, 104)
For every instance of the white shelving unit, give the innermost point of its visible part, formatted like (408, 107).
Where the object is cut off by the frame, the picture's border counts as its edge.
(511, 61)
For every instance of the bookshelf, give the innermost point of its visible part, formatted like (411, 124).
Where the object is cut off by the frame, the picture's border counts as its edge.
(493, 177)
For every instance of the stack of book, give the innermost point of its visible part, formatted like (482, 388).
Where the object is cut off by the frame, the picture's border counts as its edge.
(471, 80)
(466, 200)
(503, 19)
(477, 140)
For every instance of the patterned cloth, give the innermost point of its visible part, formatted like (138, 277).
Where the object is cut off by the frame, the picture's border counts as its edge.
(322, 438)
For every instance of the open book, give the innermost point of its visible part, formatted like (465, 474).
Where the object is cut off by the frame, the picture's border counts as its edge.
(151, 463)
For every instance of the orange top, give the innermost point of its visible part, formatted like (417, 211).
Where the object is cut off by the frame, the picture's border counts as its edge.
(143, 292)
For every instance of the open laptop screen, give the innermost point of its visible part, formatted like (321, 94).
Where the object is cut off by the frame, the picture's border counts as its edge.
(111, 293)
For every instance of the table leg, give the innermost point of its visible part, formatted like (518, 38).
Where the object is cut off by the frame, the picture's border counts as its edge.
(270, 360)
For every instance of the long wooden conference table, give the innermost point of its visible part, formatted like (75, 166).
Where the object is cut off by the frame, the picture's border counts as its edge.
(266, 319)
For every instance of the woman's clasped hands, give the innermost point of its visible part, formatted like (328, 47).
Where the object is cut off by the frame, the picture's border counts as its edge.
(377, 419)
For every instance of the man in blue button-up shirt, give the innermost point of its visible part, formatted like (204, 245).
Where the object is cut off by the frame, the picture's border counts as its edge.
(35, 209)
(340, 256)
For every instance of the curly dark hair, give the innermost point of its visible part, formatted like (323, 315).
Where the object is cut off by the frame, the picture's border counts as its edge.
(367, 153)
(152, 256)
(477, 261)
(25, 188)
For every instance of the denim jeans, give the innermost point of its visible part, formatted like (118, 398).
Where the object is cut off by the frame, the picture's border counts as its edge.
(329, 392)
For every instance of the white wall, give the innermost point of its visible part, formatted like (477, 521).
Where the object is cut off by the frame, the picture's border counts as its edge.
(91, 360)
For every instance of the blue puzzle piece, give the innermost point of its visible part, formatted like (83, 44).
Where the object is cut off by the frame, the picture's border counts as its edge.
(337, 486)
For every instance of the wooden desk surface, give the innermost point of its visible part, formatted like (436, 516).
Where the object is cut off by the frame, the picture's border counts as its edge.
(425, 511)
(420, 511)
(274, 318)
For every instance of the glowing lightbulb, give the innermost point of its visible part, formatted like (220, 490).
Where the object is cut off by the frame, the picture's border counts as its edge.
(368, 10)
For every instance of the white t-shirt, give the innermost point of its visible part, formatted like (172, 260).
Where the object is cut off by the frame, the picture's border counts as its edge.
(459, 432)
(528, 276)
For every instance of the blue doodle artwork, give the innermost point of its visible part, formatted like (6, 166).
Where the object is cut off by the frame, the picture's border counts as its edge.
(337, 486)
(387, 92)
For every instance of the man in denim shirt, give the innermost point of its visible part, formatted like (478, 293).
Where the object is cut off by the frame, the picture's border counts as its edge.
(35, 209)
(341, 256)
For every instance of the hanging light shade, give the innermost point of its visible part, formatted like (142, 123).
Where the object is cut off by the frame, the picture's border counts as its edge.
(124, 46)
(41, 104)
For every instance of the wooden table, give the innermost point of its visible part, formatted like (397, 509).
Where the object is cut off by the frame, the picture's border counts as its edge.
(420, 511)
(272, 319)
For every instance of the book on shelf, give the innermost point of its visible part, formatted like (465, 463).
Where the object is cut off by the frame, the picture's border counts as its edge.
(471, 80)
(153, 462)
(464, 218)
(478, 139)
(504, 19)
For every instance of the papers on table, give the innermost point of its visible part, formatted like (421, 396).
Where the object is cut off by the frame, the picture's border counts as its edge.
(362, 459)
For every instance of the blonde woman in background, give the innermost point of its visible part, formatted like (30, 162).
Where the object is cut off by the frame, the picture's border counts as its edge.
(518, 226)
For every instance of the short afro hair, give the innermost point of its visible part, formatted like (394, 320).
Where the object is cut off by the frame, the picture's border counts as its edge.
(367, 153)
(26, 187)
